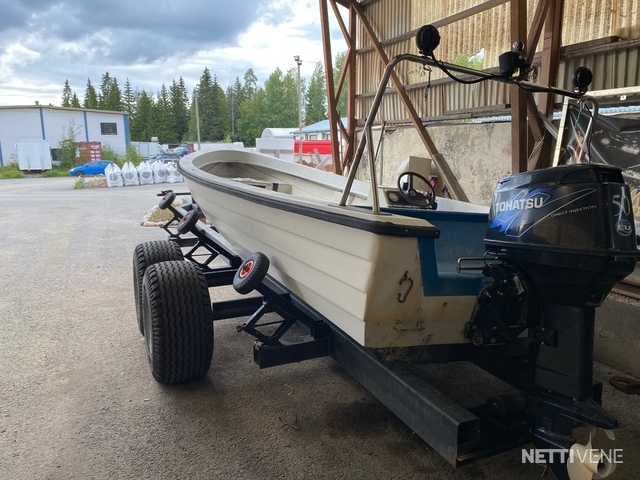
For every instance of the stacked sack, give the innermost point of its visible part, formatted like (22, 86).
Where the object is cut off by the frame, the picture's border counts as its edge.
(114, 175)
(173, 174)
(130, 174)
(145, 174)
(149, 173)
(159, 172)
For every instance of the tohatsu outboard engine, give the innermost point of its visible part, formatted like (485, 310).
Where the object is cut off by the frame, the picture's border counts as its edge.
(563, 237)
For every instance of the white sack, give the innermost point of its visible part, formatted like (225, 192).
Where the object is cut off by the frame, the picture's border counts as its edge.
(130, 174)
(145, 174)
(114, 175)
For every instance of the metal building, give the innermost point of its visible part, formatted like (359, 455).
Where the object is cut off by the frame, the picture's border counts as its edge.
(53, 124)
(558, 35)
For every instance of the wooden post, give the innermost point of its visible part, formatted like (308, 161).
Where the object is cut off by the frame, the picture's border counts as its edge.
(332, 110)
(518, 96)
(445, 171)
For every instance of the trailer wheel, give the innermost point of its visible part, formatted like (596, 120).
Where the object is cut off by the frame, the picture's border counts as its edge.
(251, 273)
(178, 321)
(187, 222)
(167, 200)
(145, 255)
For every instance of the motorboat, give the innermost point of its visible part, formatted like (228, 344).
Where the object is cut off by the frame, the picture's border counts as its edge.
(388, 278)
(388, 275)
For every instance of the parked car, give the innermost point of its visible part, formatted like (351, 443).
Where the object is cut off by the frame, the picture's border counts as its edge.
(94, 167)
(166, 158)
(181, 150)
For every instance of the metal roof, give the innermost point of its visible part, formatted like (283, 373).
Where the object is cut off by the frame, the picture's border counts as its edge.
(277, 132)
(319, 127)
(53, 107)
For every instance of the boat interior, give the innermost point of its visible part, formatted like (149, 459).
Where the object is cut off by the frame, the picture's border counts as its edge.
(462, 225)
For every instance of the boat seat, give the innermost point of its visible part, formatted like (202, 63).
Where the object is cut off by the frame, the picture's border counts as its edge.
(267, 185)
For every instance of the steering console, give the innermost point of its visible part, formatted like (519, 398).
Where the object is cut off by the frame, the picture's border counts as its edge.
(424, 196)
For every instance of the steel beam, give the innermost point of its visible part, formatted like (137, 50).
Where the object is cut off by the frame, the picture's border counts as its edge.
(441, 422)
(519, 153)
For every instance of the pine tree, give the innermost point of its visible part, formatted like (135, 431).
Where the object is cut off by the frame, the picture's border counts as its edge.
(337, 68)
(205, 95)
(90, 97)
(164, 119)
(66, 94)
(250, 85)
(143, 128)
(192, 132)
(221, 115)
(316, 99)
(129, 100)
(103, 95)
(75, 101)
(235, 96)
(113, 100)
(179, 100)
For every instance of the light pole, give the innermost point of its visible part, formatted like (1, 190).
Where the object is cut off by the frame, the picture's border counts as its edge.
(299, 62)
(197, 117)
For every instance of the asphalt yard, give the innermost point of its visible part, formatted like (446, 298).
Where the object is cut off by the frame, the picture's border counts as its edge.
(77, 399)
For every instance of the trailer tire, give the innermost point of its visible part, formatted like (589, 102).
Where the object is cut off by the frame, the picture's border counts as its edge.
(145, 255)
(167, 200)
(187, 222)
(251, 273)
(178, 322)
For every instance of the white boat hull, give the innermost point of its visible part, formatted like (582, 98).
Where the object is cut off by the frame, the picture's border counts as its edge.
(352, 276)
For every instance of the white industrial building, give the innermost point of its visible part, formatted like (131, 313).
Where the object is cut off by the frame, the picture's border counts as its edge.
(52, 124)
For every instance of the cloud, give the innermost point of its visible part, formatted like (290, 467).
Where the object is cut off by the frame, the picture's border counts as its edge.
(150, 42)
(16, 55)
(129, 32)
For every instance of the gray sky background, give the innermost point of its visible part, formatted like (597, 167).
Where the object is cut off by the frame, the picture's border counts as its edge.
(42, 43)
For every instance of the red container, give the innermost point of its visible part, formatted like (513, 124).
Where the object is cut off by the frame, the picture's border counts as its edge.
(310, 147)
(88, 151)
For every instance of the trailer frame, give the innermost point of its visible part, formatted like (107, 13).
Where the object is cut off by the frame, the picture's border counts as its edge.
(460, 435)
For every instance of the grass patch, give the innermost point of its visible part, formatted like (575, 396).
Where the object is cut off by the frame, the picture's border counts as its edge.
(10, 171)
(79, 183)
(56, 172)
(159, 215)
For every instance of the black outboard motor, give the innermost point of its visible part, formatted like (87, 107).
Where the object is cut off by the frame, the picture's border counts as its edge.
(565, 236)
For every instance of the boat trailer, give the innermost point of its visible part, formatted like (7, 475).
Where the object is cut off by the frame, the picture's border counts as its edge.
(461, 435)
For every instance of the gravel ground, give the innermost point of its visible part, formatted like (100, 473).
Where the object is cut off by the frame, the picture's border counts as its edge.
(77, 399)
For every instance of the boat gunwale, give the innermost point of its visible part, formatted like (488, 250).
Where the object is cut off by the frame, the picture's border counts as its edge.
(338, 216)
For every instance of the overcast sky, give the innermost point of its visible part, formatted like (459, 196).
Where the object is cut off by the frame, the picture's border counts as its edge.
(151, 42)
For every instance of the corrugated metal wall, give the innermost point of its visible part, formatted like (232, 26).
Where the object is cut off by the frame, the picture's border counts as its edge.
(34, 154)
(489, 30)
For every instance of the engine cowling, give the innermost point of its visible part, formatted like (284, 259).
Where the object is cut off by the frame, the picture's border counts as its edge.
(570, 228)
(568, 233)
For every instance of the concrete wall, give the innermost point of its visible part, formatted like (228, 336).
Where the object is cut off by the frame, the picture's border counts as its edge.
(478, 154)
(617, 334)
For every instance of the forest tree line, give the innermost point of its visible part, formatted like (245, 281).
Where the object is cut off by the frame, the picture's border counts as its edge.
(238, 113)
